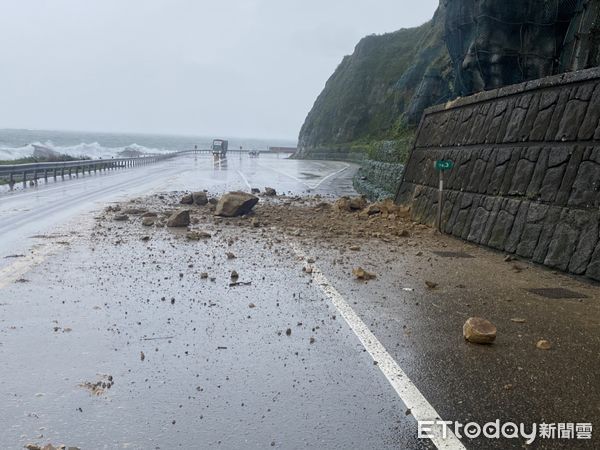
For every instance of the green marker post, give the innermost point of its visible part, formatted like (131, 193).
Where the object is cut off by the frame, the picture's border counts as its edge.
(441, 165)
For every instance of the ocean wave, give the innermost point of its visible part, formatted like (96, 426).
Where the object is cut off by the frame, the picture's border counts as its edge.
(91, 150)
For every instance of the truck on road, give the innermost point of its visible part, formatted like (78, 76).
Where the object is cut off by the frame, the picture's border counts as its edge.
(219, 147)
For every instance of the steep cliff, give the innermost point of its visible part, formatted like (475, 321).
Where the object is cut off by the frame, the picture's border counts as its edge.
(383, 85)
(377, 94)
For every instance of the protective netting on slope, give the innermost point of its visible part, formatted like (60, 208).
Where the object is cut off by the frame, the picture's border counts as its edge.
(495, 43)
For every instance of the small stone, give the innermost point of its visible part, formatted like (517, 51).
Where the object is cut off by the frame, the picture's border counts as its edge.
(355, 248)
(270, 192)
(199, 198)
(121, 217)
(33, 447)
(361, 274)
(234, 275)
(288, 332)
(479, 331)
(543, 345)
(358, 203)
(255, 191)
(142, 356)
(204, 275)
(518, 320)
(251, 306)
(187, 199)
(148, 221)
(230, 255)
(431, 284)
(197, 235)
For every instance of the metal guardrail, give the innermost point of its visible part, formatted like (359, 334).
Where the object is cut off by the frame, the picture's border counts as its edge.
(23, 173)
(14, 173)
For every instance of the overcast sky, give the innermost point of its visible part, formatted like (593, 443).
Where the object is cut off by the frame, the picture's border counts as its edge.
(248, 68)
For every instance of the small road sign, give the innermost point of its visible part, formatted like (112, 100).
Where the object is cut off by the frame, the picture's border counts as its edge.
(443, 165)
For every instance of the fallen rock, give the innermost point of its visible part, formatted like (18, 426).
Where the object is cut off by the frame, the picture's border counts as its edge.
(179, 219)
(200, 198)
(351, 204)
(255, 190)
(197, 235)
(234, 204)
(361, 274)
(342, 204)
(430, 284)
(187, 199)
(121, 217)
(234, 275)
(373, 209)
(135, 211)
(543, 345)
(270, 192)
(230, 255)
(518, 320)
(148, 221)
(358, 203)
(479, 331)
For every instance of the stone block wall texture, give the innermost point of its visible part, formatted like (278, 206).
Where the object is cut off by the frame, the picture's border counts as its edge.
(526, 179)
(378, 180)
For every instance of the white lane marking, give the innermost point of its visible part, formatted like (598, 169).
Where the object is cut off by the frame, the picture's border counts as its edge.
(244, 178)
(302, 181)
(11, 273)
(420, 408)
(330, 175)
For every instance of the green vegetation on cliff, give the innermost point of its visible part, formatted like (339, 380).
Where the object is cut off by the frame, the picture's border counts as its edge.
(379, 89)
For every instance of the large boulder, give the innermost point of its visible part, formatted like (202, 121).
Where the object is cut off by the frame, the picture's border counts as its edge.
(179, 218)
(235, 204)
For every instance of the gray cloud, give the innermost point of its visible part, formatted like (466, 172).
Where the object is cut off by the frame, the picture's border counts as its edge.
(230, 67)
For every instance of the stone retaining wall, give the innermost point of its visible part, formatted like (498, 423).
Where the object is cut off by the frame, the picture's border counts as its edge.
(378, 180)
(527, 170)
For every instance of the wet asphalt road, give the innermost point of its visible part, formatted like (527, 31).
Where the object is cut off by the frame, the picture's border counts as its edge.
(219, 369)
(33, 211)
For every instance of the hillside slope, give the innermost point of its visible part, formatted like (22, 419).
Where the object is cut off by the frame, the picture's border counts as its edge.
(385, 84)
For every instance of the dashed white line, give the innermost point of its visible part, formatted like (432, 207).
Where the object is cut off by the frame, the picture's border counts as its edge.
(420, 408)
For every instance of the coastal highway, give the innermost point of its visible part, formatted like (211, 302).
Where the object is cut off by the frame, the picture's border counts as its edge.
(36, 210)
(115, 335)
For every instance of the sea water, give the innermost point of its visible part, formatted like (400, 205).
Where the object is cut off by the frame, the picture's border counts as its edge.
(15, 144)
